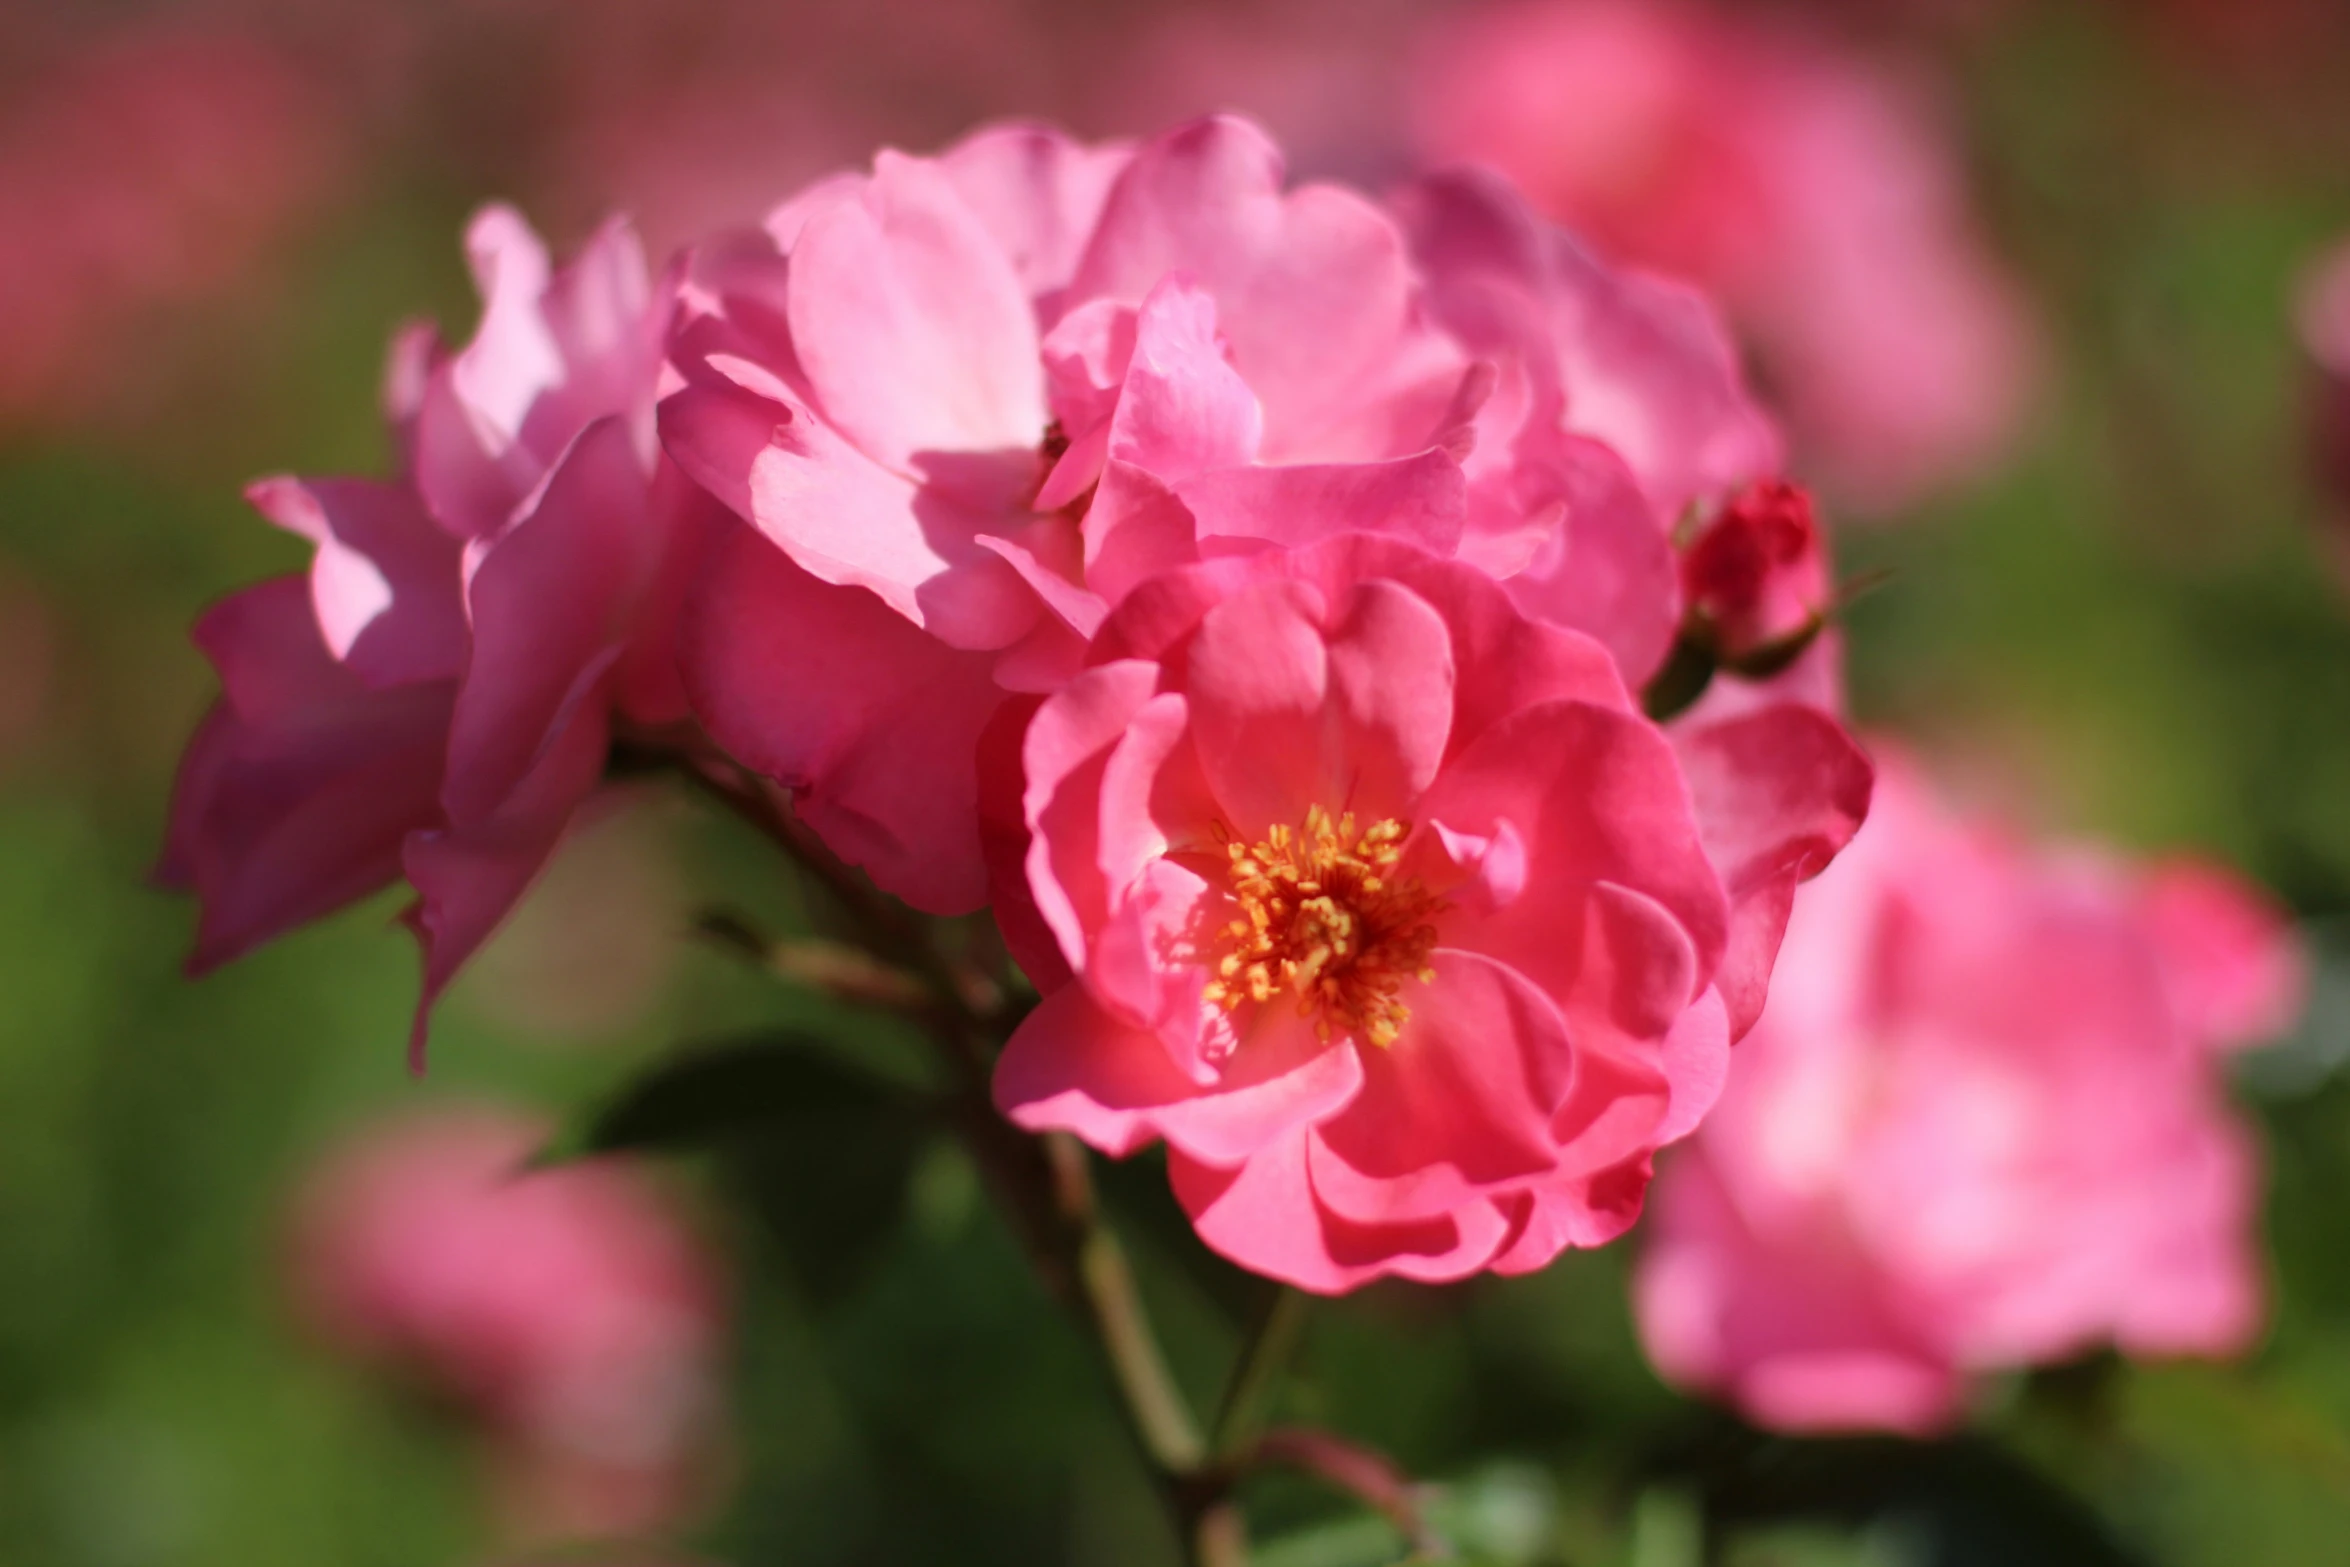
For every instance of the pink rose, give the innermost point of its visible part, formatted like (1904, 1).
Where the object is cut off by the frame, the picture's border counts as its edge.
(1388, 911)
(1978, 1126)
(1817, 195)
(435, 700)
(965, 404)
(570, 1312)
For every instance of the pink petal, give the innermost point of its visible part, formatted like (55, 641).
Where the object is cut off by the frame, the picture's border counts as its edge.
(1312, 287)
(1608, 569)
(1004, 840)
(1502, 661)
(1064, 755)
(298, 788)
(1597, 797)
(843, 518)
(1457, 1109)
(554, 352)
(1777, 792)
(1072, 1066)
(1259, 684)
(1266, 1217)
(1644, 366)
(912, 324)
(1391, 683)
(469, 876)
(1037, 193)
(876, 730)
(1154, 797)
(1421, 500)
(552, 601)
(1182, 408)
(385, 582)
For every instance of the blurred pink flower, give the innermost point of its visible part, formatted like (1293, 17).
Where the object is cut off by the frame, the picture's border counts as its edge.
(1388, 911)
(570, 1312)
(1818, 196)
(966, 403)
(152, 165)
(436, 698)
(1978, 1126)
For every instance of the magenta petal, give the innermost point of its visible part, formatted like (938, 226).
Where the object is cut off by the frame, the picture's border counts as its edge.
(1502, 661)
(1607, 569)
(1777, 792)
(1064, 755)
(1073, 1067)
(385, 583)
(469, 876)
(297, 790)
(1420, 499)
(552, 600)
(1259, 680)
(1266, 1217)
(914, 329)
(1458, 1108)
(877, 728)
(1391, 685)
(1597, 797)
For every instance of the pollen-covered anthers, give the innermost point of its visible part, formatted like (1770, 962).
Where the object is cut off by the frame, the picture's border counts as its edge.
(1322, 916)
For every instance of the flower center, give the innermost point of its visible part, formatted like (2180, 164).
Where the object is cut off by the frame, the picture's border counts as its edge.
(1323, 917)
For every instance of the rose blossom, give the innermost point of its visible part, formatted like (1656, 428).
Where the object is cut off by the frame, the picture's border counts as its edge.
(964, 404)
(1978, 1126)
(1386, 910)
(1815, 194)
(434, 699)
(569, 1311)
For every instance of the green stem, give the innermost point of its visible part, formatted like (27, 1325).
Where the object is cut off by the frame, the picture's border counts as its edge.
(1044, 1185)
(1264, 1355)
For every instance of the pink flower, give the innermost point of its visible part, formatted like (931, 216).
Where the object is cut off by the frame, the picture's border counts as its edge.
(1758, 574)
(1978, 1126)
(1813, 192)
(570, 1312)
(435, 699)
(1388, 912)
(965, 404)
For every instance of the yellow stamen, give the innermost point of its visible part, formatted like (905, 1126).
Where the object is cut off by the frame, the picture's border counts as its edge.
(1323, 917)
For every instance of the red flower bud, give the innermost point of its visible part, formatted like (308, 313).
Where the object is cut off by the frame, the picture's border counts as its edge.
(1758, 575)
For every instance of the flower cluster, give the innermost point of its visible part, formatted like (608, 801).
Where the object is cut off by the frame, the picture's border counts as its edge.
(1978, 1127)
(1248, 593)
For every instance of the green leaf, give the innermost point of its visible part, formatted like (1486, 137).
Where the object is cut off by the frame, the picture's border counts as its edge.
(709, 1095)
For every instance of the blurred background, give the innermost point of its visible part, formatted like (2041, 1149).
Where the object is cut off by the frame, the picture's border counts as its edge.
(2023, 277)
